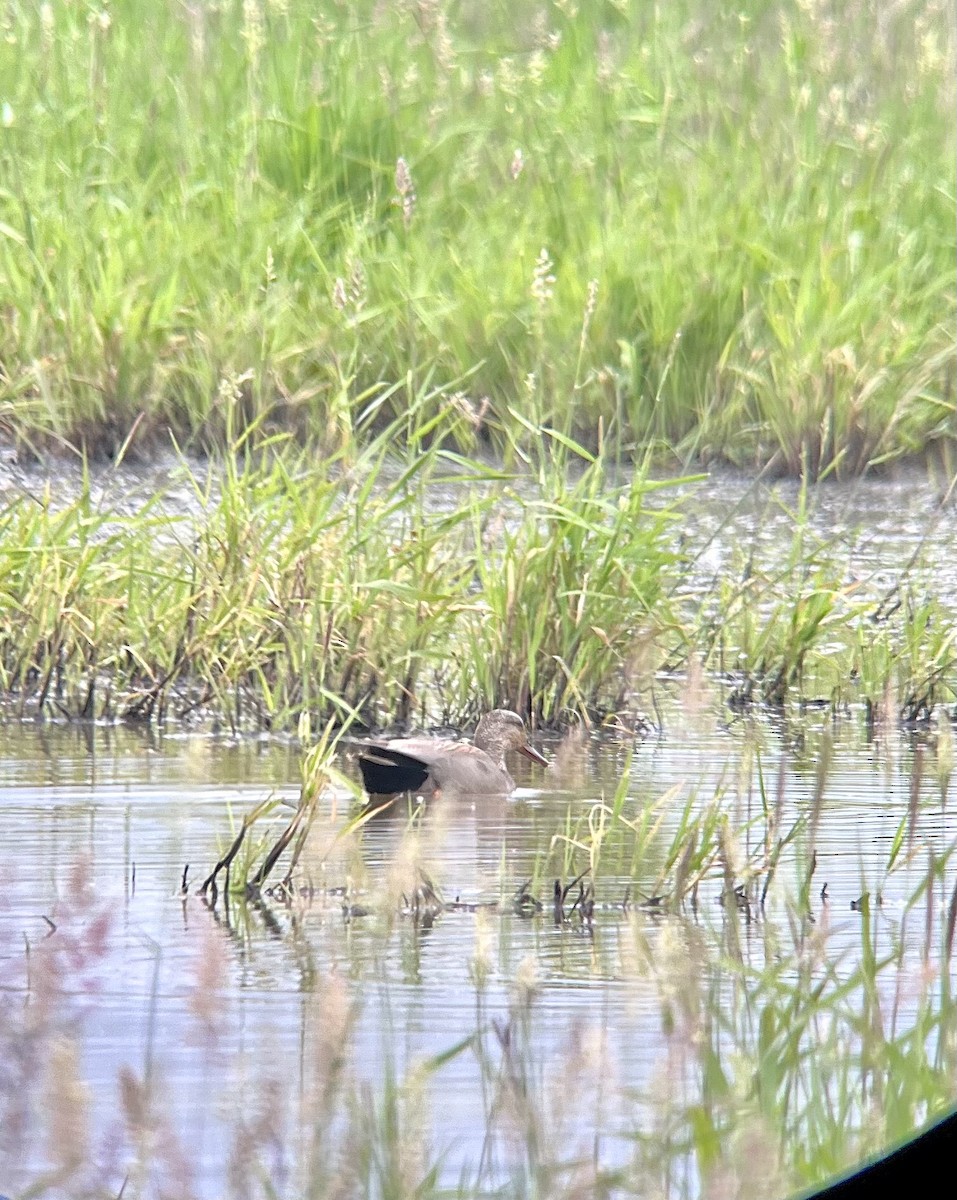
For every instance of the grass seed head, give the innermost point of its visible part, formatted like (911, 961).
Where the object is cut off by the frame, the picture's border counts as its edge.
(405, 188)
(543, 279)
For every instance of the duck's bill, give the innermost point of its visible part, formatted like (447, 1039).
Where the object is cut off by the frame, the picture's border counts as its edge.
(532, 753)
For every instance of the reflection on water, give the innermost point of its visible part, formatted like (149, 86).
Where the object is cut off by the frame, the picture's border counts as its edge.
(238, 1017)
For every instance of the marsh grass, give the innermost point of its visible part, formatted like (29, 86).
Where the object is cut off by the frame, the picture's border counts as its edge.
(225, 226)
(718, 231)
(398, 586)
(576, 593)
(350, 589)
(251, 857)
(811, 629)
(660, 855)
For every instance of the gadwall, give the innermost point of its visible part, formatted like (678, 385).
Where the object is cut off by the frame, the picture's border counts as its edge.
(426, 765)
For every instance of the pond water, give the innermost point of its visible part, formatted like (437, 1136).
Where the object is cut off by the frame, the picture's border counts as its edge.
(340, 1042)
(218, 1034)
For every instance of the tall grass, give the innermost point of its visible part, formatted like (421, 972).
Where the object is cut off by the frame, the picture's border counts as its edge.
(406, 582)
(344, 590)
(725, 230)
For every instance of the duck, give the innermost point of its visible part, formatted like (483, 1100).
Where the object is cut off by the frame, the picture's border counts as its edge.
(429, 765)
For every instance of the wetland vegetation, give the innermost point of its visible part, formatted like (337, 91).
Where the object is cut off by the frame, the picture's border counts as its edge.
(387, 590)
(723, 231)
(445, 309)
(787, 1035)
(221, 226)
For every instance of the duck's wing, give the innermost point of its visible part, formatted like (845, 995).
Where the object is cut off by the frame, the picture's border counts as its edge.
(387, 771)
(467, 770)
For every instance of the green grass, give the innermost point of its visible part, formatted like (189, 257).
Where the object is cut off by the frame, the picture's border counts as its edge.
(338, 590)
(398, 589)
(718, 231)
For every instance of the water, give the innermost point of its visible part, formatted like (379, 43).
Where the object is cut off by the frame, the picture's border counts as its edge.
(875, 525)
(226, 1009)
(229, 1044)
